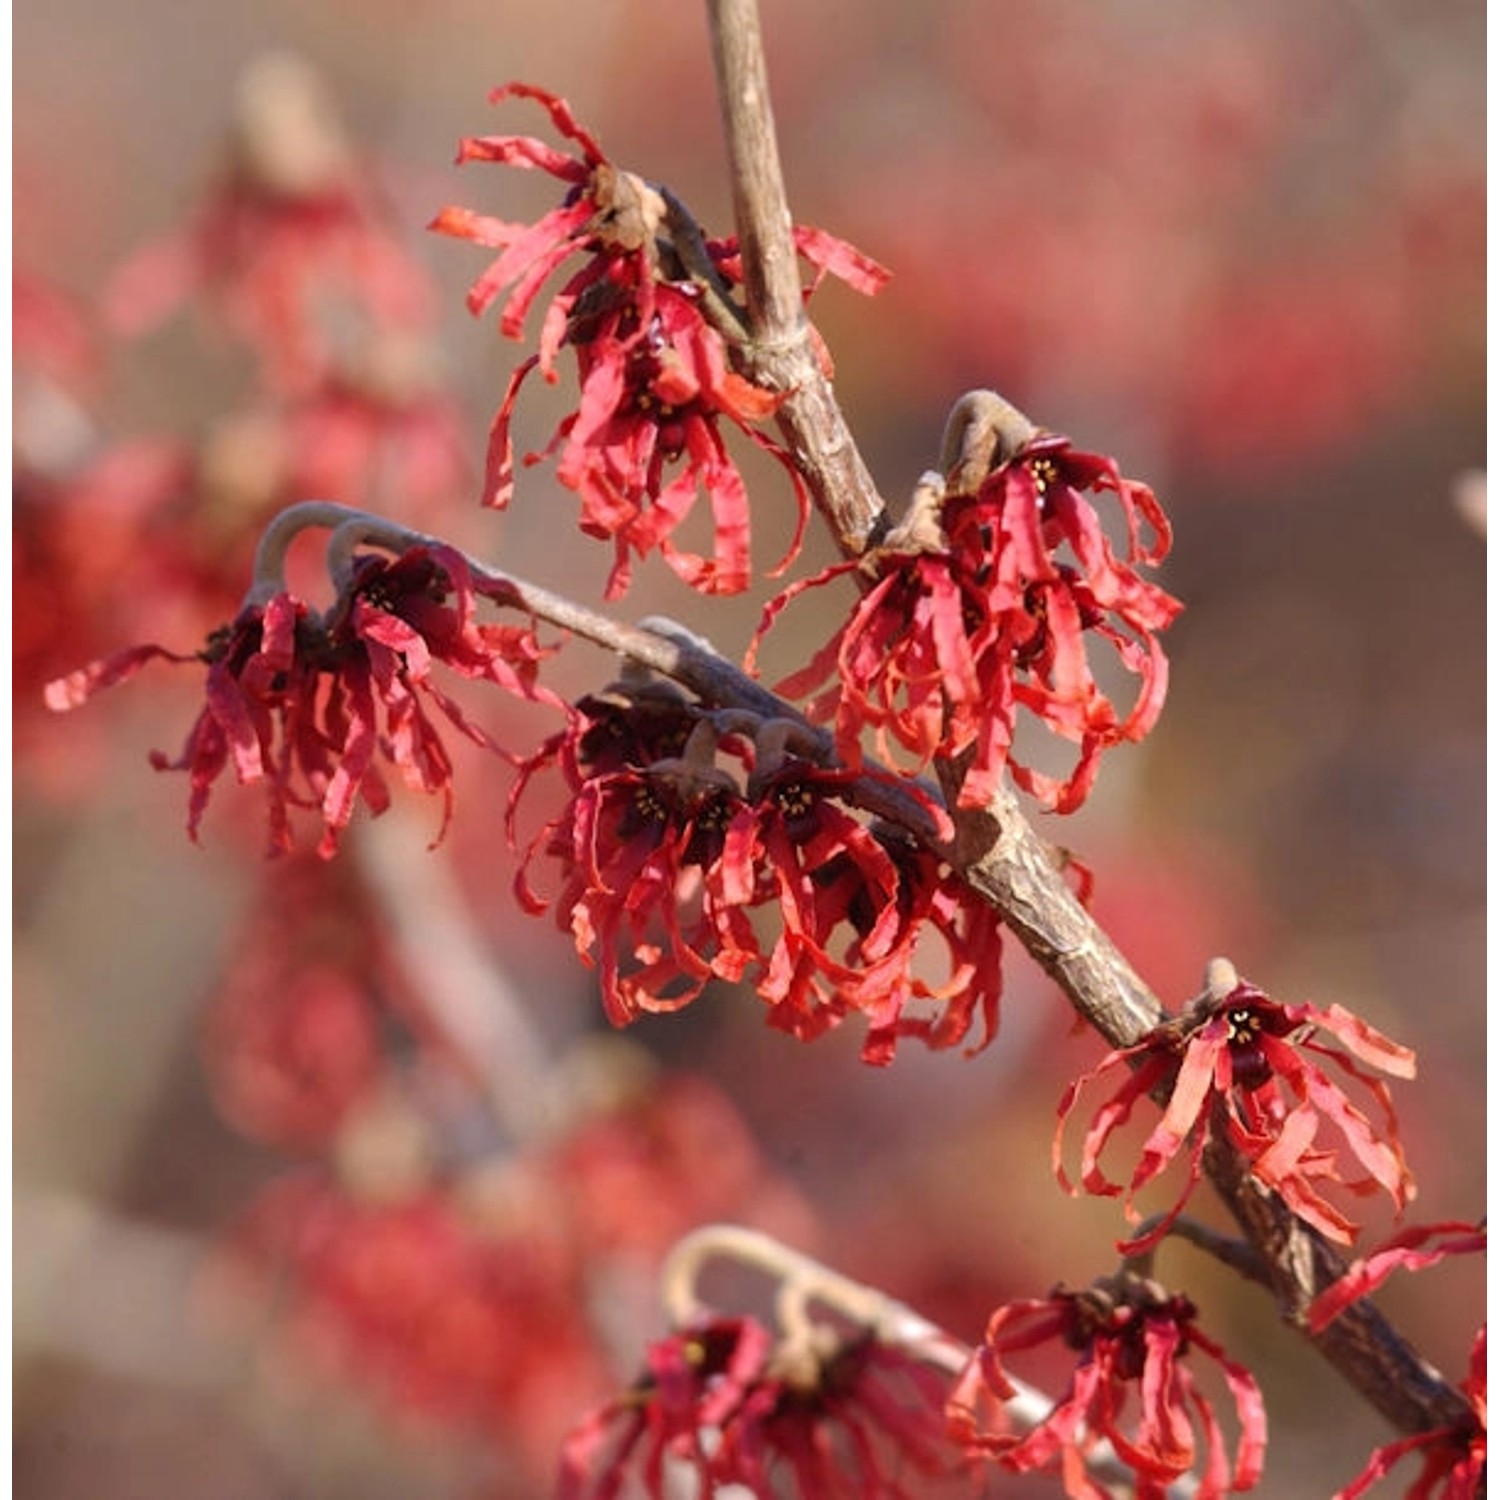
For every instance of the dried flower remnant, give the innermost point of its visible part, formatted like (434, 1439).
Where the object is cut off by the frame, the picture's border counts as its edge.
(678, 830)
(827, 1418)
(1250, 1066)
(981, 614)
(645, 317)
(306, 703)
(1133, 1389)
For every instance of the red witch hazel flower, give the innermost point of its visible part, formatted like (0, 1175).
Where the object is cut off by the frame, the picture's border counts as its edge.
(1241, 1062)
(841, 1418)
(984, 603)
(653, 369)
(642, 824)
(296, 699)
(679, 829)
(1454, 1458)
(1134, 1341)
(855, 901)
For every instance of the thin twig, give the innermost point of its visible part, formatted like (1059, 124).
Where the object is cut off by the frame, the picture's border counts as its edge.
(803, 1283)
(1238, 1255)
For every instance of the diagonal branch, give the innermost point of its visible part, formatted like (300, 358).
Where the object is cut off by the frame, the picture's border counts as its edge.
(998, 851)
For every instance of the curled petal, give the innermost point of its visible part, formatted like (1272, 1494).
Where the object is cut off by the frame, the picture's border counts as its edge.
(77, 687)
(1402, 1252)
(832, 256)
(560, 111)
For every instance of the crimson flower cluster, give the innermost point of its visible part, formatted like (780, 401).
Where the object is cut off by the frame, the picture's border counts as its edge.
(950, 641)
(839, 1423)
(1133, 1388)
(654, 374)
(306, 703)
(678, 830)
(1250, 1066)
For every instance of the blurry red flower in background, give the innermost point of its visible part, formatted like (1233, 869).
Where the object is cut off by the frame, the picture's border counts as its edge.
(459, 1293)
(838, 1419)
(1133, 1388)
(299, 1033)
(1238, 1062)
(55, 369)
(993, 615)
(390, 437)
(471, 1325)
(291, 248)
(661, 1155)
(51, 334)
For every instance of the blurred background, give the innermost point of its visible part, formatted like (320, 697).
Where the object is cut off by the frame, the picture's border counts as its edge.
(328, 1179)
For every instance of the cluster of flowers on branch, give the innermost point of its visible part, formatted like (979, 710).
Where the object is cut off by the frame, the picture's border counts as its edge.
(304, 702)
(972, 612)
(652, 319)
(724, 1401)
(682, 823)
(702, 838)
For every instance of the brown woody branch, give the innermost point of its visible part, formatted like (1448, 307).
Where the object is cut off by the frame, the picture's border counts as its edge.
(998, 851)
(779, 354)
